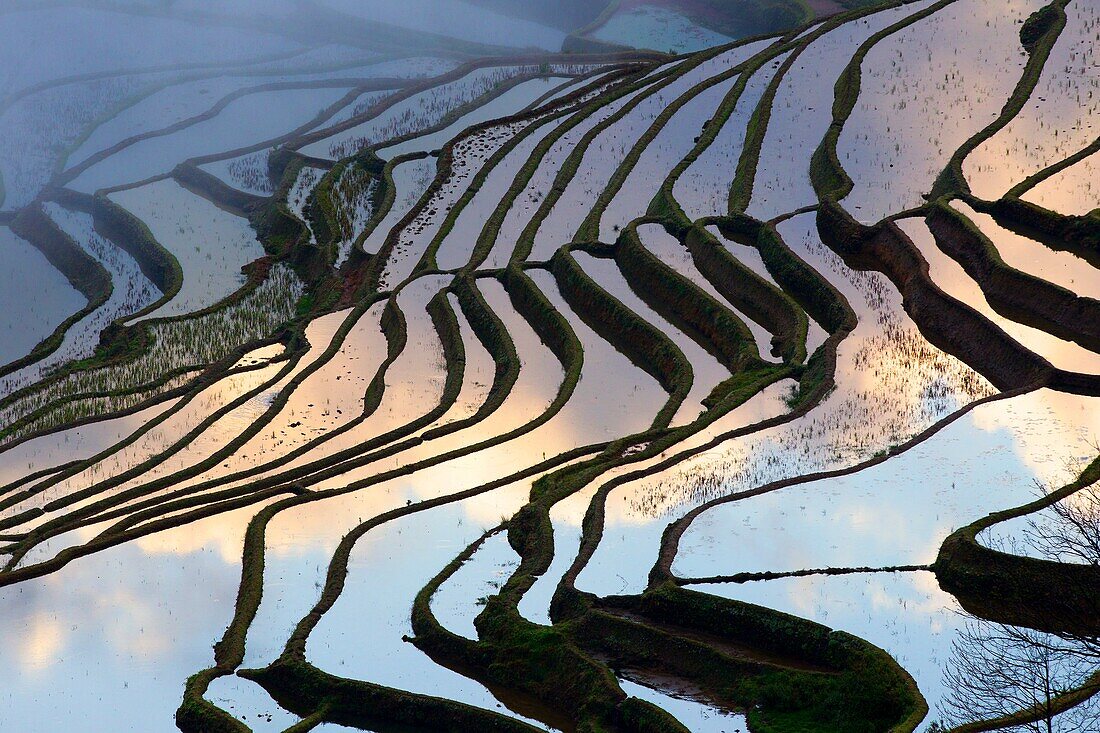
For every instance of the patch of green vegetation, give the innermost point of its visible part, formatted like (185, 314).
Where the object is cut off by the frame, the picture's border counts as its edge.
(750, 18)
(750, 293)
(647, 347)
(1015, 294)
(305, 305)
(1037, 25)
(683, 303)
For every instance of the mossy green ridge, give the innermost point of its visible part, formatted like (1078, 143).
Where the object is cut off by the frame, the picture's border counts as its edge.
(1017, 295)
(1079, 235)
(683, 303)
(751, 294)
(646, 346)
(1057, 597)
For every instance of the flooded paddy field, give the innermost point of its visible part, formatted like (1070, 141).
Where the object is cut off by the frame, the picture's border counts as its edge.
(463, 365)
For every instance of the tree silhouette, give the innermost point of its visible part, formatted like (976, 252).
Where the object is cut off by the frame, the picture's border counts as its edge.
(1070, 532)
(998, 671)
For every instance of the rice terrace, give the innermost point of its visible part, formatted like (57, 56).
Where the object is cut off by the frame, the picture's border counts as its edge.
(621, 366)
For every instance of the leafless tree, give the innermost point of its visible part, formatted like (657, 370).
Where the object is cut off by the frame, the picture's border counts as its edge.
(1069, 530)
(997, 670)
